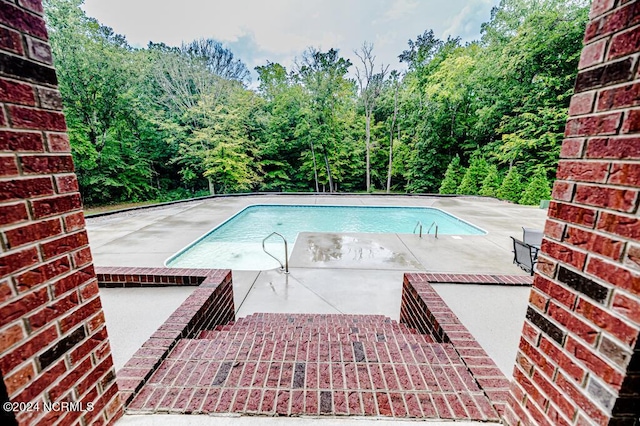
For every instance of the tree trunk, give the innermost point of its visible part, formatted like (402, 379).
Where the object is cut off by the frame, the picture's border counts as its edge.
(370, 85)
(390, 159)
(453, 119)
(326, 163)
(212, 188)
(368, 147)
(393, 123)
(315, 167)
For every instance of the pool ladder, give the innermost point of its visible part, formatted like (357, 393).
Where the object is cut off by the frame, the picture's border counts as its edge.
(419, 226)
(284, 267)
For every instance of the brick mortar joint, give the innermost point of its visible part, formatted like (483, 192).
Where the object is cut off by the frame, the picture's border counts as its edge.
(636, 26)
(608, 261)
(30, 223)
(25, 177)
(597, 210)
(617, 137)
(611, 210)
(594, 114)
(586, 161)
(593, 232)
(16, 55)
(563, 242)
(45, 154)
(606, 61)
(613, 87)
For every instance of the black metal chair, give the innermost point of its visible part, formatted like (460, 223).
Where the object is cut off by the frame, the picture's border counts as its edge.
(524, 255)
(533, 237)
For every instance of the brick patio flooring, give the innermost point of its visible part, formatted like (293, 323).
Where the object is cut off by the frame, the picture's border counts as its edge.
(308, 364)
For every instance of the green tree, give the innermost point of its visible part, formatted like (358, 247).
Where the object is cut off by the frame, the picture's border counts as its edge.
(473, 177)
(328, 93)
(537, 189)
(221, 147)
(452, 177)
(511, 187)
(217, 59)
(491, 182)
(431, 118)
(146, 123)
(285, 144)
(526, 77)
(197, 90)
(97, 80)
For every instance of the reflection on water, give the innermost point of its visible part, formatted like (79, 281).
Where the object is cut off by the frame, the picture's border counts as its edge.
(241, 256)
(336, 247)
(236, 243)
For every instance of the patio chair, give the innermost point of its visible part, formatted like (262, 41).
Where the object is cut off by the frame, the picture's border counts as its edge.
(533, 237)
(524, 255)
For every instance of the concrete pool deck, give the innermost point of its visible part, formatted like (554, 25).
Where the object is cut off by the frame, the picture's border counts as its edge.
(147, 237)
(330, 273)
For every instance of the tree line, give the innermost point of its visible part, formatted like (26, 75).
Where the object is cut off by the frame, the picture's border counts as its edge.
(164, 122)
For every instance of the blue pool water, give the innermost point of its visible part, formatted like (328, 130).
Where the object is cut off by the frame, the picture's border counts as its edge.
(237, 243)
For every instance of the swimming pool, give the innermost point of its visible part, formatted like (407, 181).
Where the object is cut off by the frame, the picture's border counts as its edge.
(237, 243)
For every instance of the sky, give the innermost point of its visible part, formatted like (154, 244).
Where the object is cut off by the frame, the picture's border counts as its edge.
(257, 31)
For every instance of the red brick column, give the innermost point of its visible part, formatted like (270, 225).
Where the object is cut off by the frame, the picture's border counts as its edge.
(579, 359)
(53, 339)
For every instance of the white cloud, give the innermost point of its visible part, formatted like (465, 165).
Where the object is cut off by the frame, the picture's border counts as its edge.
(466, 23)
(280, 30)
(401, 9)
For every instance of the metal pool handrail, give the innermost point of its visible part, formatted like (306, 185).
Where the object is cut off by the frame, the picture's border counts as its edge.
(286, 251)
(434, 223)
(419, 224)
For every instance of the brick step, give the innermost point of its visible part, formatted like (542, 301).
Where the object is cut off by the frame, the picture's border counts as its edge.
(359, 378)
(315, 318)
(278, 401)
(317, 327)
(317, 335)
(315, 321)
(315, 364)
(244, 322)
(201, 350)
(252, 348)
(311, 328)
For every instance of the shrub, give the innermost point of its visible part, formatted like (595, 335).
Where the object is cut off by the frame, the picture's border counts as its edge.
(511, 187)
(452, 177)
(491, 182)
(477, 171)
(538, 188)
